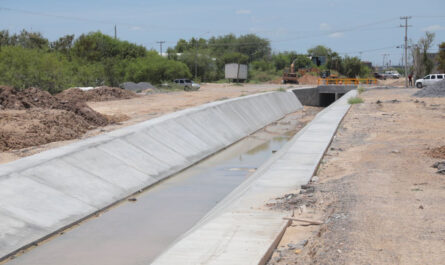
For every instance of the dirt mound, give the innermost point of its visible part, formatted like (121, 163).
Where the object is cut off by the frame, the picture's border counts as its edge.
(33, 117)
(98, 94)
(438, 152)
(436, 90)
(82, 109)
(36, 126)
(11, 98)
(308, 80)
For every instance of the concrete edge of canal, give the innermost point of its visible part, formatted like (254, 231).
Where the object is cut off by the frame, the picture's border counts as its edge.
(240, 230)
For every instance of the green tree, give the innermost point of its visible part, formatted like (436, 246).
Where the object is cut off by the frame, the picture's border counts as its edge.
(319, 50)
(352, 66)
(153, 68)
(63, 44)
(97, 46)
(23, 68)
(425, 44)
(234, 57)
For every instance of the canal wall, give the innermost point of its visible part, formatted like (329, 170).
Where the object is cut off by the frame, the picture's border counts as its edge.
(47, 192)
(241, 229)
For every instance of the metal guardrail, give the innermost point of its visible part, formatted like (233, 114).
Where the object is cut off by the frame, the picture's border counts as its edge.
(346, 81)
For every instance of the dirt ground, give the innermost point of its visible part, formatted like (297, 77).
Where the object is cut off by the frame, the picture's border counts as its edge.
(392, 82)
(376, 191)
(33, 122)
(153, 105)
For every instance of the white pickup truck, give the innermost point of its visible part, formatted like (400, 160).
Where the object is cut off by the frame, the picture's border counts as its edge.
(429, 79)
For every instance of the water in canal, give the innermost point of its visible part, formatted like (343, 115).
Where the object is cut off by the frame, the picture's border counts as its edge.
(136, 232)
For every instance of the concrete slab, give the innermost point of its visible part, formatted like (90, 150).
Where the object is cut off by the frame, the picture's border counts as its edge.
(48, 191)
(240, 229)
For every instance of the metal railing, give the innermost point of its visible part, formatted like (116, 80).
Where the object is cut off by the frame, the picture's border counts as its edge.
(346, 81)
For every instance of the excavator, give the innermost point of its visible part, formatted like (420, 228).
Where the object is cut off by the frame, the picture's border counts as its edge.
(290, 77)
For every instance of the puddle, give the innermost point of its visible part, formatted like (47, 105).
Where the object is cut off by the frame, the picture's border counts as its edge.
(137, 231)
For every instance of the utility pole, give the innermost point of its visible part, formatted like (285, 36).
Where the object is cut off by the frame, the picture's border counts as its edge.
(406, 46)
(384, 57)
(115, 32)
(160, 46)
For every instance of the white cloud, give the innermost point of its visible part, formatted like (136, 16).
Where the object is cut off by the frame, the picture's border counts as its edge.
(434, 28)
(243, 12)
(325, 26)
(336, 35)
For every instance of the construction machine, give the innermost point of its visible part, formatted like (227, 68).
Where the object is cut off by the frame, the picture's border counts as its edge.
(290, 77)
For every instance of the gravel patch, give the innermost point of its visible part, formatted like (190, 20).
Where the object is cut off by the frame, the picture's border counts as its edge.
(432, 91)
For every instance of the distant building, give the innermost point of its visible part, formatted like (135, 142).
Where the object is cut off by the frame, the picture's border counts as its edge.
(318, 60)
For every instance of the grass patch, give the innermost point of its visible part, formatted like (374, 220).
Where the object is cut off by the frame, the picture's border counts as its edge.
(355, 100)
(281, 89)
(360, 89)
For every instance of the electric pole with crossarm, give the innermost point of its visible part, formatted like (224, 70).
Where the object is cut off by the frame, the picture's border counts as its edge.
(406, 47)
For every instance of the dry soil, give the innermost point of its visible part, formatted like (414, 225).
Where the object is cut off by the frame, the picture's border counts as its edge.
(379, 198)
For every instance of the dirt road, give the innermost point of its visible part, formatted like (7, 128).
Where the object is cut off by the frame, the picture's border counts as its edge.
(380, 199)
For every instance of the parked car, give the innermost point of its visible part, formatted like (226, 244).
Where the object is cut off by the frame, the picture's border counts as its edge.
(379, 76)
(429, 79)
(187, 84)
(392, 74)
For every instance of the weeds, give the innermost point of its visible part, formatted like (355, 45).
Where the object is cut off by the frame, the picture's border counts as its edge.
(281, 89)
(355, 100)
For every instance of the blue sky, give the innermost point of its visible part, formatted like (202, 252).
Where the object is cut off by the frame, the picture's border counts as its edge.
(347, 26)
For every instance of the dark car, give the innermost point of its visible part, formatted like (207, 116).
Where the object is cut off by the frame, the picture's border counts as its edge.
(380, 76)
(187, 84)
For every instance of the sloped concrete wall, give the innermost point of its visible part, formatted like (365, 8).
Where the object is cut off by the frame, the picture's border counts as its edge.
(240, 229)
(46, 192)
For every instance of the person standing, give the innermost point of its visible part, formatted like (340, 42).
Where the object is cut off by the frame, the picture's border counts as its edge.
(410, 78)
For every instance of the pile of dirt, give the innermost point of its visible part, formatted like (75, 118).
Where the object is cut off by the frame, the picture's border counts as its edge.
(33, 117)
(308, 79)
(11, 98)
(97, 94)
(435, 90)
(438, 152)
(32, 127)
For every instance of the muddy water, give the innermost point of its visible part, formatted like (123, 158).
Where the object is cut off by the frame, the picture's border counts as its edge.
(136, 232)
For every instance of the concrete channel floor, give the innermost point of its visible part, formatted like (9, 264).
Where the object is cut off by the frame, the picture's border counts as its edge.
(136, 232)
(240, 229)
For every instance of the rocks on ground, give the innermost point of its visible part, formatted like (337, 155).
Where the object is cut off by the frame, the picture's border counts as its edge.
(435, 90)
(438, 152)
(136, 87)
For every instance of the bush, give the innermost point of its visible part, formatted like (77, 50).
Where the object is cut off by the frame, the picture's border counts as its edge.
(355, 100)
(23, 68)
(154, 69)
